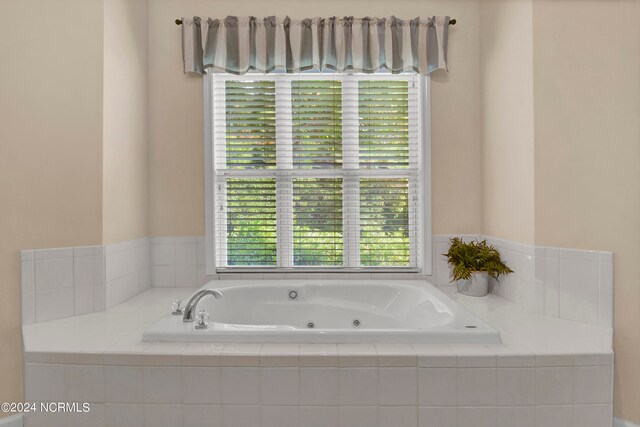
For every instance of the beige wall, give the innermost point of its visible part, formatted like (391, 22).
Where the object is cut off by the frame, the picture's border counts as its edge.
(125, 140)
(538, 140)
(50, 146)
(507, 110)
(587, 153)
(176, 123)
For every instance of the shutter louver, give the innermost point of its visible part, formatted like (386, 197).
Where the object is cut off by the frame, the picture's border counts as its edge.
(317, 123)
(317, 223)
(316, 171)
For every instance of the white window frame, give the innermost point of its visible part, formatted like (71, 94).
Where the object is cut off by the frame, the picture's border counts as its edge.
(424, 245)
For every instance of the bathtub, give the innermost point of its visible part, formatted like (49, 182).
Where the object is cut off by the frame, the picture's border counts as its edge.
(333, 311)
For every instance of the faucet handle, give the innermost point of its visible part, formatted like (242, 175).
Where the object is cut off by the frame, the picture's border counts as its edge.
(202, 319)
(177, 308)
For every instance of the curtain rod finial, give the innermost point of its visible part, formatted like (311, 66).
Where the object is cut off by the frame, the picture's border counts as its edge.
(179, 21)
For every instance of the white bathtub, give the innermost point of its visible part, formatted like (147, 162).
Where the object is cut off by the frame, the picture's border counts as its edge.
(328, 311)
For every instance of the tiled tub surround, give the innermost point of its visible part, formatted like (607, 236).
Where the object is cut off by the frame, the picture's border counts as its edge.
(566, 283)
(548, 372)
(63, 282)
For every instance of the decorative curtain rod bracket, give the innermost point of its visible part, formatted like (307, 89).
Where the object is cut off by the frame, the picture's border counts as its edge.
(452, 21)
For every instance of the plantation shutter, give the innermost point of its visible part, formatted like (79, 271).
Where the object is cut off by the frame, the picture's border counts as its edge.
(389, 155)
(316, 171)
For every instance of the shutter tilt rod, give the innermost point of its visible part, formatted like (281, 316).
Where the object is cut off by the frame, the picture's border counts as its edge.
(452, 21)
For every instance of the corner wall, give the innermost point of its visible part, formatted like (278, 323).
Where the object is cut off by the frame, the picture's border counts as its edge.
(50, 146)
(125, 129)
(507, 110)
(587, 153)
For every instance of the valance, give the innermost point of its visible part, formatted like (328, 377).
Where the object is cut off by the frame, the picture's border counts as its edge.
(238, 45)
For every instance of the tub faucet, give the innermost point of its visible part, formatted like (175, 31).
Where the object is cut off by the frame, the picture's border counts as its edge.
(190, 309)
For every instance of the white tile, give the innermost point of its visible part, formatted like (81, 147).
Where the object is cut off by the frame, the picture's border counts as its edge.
(605, 311)
(516, 416)
(554, 386)
(606, 279)
(592, 359)
(397, 386)
(100, 297)
(437, 386)
(41, 419)
(280, 354)
(163, 416)
(579, 276)
(27, 276)
(319, 386)
(185, 275)
(579, 254)
(85, 383)
(241, 354)
(319, 416)
(83, 300)
(437, 416)
(240, 386)
(163, 254)
(554, 416)
(53, 253)
(83, 274)
(185, 254)
(516, 386)
(202, 415)
(359, 416)
(54, 304)
(477, 417)
(593, 384)
(201, 385)
(358, 386)
(45, 382)
(357, 355)
(98, 269)
(592, 415)
(240, 415)
(280, 416)
(162, 384)
(162, 275)
(581, 307)
(551, 301)
(201, 256)
(552, 360)
(279, 386)
(27, 255)
(397, 355)
(28, 302)
(476, 386)
(123, 384)
(53, 274)
(96, 417)
(129, 415)
(317, 355)
(398, 416)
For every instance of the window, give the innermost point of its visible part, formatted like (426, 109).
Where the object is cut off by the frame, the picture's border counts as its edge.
(316, 171)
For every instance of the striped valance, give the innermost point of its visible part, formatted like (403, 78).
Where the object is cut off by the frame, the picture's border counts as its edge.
(238, 45)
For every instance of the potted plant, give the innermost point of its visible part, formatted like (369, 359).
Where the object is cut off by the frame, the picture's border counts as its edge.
(473, 263)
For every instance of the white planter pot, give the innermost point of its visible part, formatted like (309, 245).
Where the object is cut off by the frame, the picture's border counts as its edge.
(477, 286)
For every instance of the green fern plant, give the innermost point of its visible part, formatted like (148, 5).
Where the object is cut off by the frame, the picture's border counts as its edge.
(467, 258)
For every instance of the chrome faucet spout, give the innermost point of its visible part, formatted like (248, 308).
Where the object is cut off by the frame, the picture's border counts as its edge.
(190, 309)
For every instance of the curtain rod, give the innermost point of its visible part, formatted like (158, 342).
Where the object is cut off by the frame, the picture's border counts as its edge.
(452, 21)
